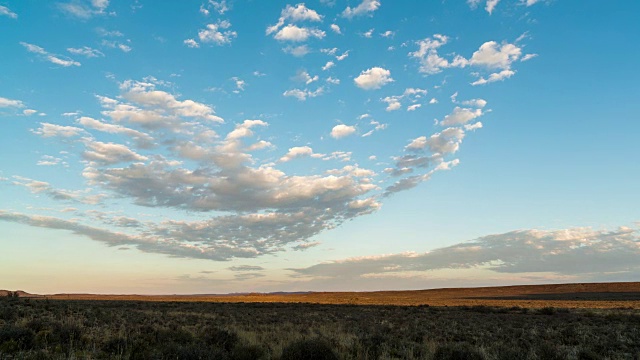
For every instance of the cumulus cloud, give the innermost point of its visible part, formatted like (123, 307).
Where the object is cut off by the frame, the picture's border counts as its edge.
(191, 43)
(299, 151)
(217, 33)
(461, 116)
(47, 130)
(495, 56)
(430, 61)
(366, 7)
(340, 131)
(413, 94)
(154, 109)
(9, 103)
(52, 58)
(500, 76)
(110, 153)
(373, 78)
(302, 95)
(336, 29)
(294, 33)
(294, 14)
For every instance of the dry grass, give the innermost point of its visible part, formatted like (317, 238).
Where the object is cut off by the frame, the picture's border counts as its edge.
(586, 296)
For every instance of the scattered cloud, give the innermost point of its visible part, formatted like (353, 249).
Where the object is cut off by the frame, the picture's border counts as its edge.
(336, 29)
(302, 95)
(7, 12)
(373, 78)
(582, 252)
(340, 131)
(84, 9)
(217, 33)
(297, 34)
(500, 76)
(85, 51)
(52, 58)
(366, 7)
(191, 43)
(297, 51)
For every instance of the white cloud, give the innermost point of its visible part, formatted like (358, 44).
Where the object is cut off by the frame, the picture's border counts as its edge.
(343, 56)
(304, 77)
(55, 59)
(29, 112)
(5, 103)
(142, 140)
(303, 94)
(491, 4)
(394, 102)
(333, 81)
(417, 143)
(220, 6)
(530, 2)
(295, 14)
(191, 43)
(366, 7)
(496, 56)
(413, 107)
(52, 130)
(340, 131)
(461, 116)
(504, 74)
(528, 57)
(110, 153)
(217, 33)
(368, 34)
(299, 151)
(328, 65)
(7, 12)
(297, 51)
(387, 34)
(85, 51)
(373, 78)
(433, 101)
(430, 61)
(480, 103)
(583, 254)
(336, 29)
(84, 9)
(295, 33)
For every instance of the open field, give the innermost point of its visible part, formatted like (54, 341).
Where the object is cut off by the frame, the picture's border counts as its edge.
(98, 329)
(587, 295)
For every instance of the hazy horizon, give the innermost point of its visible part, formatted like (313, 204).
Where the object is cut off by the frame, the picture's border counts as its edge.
(234, 146)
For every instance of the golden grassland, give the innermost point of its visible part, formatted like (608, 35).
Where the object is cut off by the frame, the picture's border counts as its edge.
(582, 295)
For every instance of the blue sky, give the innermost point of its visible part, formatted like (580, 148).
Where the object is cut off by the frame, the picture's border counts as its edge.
(224, 146)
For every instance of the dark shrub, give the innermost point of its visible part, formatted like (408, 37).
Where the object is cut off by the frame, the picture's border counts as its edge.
(220, 339)
(115, 346)
(14, 338)
(249, 352)
(549, 351)
(457, 351)
(585, 354)
(549, 310)
(312, 349)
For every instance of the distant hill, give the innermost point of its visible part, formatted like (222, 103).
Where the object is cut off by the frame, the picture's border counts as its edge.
(22, 294)
(580, 295)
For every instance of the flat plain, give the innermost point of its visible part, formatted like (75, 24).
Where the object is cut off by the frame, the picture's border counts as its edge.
(570, 321)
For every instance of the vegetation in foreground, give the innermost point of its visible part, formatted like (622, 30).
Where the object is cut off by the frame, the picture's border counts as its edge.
(48, 329)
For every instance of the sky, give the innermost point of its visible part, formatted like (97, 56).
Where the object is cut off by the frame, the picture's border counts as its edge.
(199, 147)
